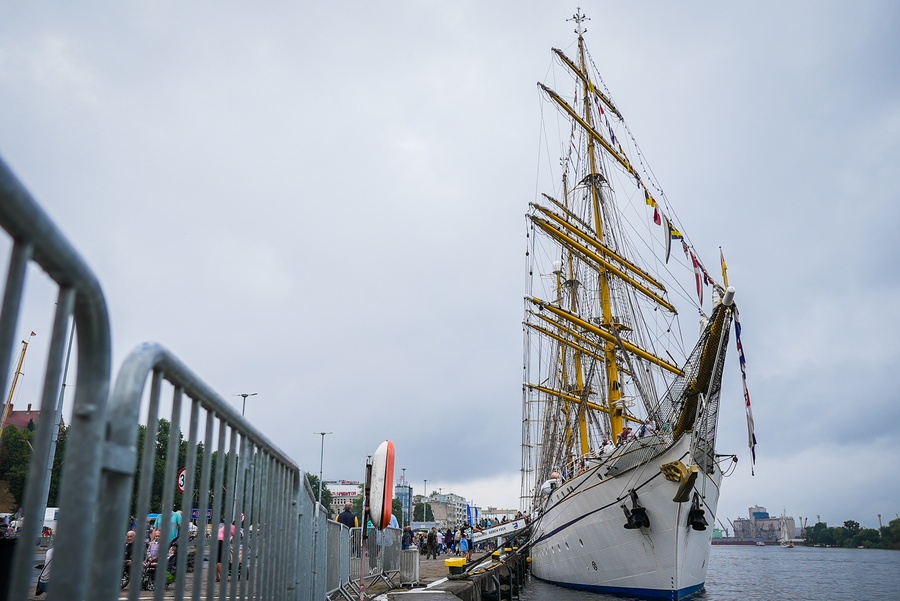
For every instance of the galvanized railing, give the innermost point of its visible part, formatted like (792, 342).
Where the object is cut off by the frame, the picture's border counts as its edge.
(281, 548)
(230, 473)
(338, 569)
(35, 239)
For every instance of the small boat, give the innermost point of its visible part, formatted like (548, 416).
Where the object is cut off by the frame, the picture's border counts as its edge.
(785, 540)
(620, 470)
(759, 543)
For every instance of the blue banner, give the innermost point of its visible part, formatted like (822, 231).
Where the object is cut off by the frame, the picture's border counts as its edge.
(195, 514)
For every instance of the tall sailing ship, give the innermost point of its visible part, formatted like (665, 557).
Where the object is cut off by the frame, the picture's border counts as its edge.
(620, 409)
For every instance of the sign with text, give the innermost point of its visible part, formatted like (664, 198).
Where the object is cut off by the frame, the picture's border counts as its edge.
(501, 530)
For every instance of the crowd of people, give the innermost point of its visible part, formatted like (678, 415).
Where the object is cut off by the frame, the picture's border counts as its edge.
(161, 548)
(458, 541)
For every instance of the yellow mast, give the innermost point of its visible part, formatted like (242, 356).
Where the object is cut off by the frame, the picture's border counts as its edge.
(610, 338)
(590, 242)
(587, 254)
(613, 393)
(604, 252)
(12, 389)
(573, 303)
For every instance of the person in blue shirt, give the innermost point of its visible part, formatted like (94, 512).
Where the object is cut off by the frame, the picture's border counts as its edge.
(174, 527)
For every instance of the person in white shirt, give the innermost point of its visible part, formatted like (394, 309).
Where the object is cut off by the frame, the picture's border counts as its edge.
(44, 578)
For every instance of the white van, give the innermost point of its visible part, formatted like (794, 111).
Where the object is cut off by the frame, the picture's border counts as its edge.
(51, 519)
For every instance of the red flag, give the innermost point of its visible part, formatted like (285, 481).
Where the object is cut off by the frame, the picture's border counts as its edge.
(698, 277)
(656, 218)
(32, 333)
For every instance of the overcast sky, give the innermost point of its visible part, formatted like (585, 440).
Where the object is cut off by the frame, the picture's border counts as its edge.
(323, 203)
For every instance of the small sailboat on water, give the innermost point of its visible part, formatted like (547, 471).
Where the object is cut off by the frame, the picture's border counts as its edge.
(785, 539)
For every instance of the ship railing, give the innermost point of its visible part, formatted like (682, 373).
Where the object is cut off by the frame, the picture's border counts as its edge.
(229, 471)
(637, 451)
(582, 463)
(623, 456)
(579, 464)
(704, 454)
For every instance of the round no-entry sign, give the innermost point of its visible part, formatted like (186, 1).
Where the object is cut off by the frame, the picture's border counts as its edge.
(182, 477)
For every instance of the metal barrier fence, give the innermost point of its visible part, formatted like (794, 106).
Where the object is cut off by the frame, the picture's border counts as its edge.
(382, 552)
(230, 472)
(338, 569)
(36, 239)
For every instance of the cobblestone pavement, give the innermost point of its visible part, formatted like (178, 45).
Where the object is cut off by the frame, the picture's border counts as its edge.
(430, 570)
(433, 569)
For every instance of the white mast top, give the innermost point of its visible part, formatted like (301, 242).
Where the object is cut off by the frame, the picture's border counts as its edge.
(579, 18)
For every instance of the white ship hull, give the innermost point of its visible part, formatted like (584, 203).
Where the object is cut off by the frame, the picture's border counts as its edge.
(581, 541)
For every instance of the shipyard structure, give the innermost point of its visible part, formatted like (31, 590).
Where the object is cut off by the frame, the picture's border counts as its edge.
(759, 528)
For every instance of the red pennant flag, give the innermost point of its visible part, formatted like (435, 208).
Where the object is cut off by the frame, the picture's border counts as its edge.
(668, 240)
(743, 362)
(698, 277)
(656, 217)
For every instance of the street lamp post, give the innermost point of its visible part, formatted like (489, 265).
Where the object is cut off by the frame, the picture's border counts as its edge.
(244, 403)
(425, 503)
(321, 463)
(319, 504)
(243, 407)
(408, 497)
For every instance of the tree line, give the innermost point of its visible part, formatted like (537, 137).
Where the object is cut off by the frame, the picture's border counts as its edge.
(15, 458)
(851, 535)
(16, 451)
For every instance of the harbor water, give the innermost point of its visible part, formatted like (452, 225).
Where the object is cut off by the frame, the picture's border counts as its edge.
(739, 573)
